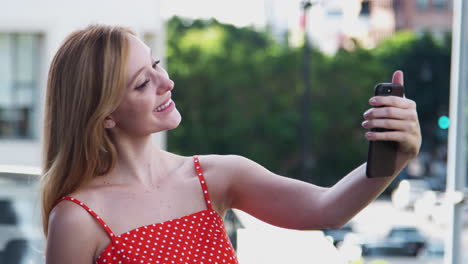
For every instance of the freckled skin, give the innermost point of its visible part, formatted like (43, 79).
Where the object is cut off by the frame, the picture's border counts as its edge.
(135, 115)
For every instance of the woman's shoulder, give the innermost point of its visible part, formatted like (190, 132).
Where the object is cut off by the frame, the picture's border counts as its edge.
(70, 226)
(71, 211)
(221, 161)
(223, 164)
(68, 219)
(209, 161)
(68, 214)
(71, 214)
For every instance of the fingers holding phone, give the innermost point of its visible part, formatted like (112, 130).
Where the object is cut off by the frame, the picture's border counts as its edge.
(394, 134)
(398, 119)
(391, 113)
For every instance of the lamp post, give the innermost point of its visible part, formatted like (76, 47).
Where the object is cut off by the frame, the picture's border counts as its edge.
(456, 163)
(307, 160)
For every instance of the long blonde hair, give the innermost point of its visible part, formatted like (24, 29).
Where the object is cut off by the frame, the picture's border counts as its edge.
(85, 84)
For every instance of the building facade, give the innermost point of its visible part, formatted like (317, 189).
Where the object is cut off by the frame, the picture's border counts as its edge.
(336, 24)
(30, 33)
(433, 16)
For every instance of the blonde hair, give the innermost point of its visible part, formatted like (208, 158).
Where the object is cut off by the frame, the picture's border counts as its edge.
(85, 84)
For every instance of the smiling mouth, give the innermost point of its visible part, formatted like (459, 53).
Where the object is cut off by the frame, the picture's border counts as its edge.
(162, 107)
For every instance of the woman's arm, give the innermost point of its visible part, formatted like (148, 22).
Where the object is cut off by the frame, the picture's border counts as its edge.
(295, 204)
(72, 236)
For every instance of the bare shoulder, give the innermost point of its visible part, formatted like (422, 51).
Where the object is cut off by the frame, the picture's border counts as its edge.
(72, 234)
(224, 162)
(218, 171)
(212, 164)
(228, 169)
(175, 161)
(68, 215)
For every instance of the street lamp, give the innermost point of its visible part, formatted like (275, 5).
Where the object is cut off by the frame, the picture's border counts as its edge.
(307, 159)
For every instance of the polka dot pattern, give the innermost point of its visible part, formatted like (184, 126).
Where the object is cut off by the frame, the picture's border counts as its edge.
(196, 238)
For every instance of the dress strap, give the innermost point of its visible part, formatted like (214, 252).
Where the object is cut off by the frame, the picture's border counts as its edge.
(91, 212)
(199, 171)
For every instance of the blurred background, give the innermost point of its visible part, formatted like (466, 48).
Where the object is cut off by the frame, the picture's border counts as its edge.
(284, 83)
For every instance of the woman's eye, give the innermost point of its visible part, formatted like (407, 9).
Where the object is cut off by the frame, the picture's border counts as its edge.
(143, 85)
(155, 64)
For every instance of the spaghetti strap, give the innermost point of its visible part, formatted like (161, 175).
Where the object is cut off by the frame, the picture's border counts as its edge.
(91, 212)
(199, 171)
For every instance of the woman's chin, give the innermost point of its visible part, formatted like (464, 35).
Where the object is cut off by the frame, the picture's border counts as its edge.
(171, 125)
(176, 122)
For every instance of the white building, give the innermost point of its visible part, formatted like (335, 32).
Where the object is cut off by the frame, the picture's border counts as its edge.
(331, 24)
(30, 33)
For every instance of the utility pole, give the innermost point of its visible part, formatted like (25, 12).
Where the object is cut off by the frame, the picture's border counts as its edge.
(456, 163)
(307, 160)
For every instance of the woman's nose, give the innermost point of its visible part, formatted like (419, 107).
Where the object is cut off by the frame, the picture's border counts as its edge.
(165, 85)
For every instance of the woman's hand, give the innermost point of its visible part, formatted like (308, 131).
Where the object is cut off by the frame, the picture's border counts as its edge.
(398, 114)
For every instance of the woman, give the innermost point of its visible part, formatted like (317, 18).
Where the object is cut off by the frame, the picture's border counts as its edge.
(110, 196)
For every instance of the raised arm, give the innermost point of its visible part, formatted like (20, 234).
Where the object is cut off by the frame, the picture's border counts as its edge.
(295, 204)
(397, 114)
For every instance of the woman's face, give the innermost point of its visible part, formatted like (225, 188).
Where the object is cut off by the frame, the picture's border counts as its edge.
(147, 106)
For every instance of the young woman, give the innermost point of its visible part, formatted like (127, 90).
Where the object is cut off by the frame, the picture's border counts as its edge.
(110, 196)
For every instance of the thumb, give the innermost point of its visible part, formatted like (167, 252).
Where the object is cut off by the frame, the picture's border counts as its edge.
(398, 77)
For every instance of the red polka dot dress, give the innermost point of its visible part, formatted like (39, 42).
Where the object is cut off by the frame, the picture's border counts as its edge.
(196, 238)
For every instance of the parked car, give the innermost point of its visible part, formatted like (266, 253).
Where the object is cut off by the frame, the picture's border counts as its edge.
(433, 252)
(401, 241)
(408, 237)
(386, 249)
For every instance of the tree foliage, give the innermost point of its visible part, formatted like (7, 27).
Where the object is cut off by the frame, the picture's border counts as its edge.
(239, 92)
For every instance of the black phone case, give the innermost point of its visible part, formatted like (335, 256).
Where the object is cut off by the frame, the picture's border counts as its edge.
(381, 157)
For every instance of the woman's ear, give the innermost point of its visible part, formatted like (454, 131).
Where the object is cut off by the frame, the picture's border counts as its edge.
(109, 122)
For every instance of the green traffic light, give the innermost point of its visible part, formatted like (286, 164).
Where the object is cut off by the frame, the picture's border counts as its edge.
(444, 122)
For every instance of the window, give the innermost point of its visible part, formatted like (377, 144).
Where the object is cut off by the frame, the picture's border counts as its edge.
(439, 3)
(18, 84)
(422, 4)
(335, 12)
(365, 8)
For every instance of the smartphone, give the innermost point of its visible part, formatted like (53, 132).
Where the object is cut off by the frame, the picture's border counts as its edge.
(381, 157)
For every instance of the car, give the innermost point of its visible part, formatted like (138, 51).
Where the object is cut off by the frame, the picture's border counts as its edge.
(401, 241)
(408, 237)
(435, 248)
(386, 249)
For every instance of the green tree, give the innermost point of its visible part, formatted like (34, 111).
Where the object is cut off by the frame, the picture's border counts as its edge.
(344, 85)
(239, 92)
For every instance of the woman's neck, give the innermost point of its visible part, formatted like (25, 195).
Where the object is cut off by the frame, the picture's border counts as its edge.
(138, 162)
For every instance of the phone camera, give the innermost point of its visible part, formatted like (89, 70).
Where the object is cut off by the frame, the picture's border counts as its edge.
(389, 90)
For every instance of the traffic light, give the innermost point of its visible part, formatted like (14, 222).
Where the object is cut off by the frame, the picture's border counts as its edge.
(443, 122)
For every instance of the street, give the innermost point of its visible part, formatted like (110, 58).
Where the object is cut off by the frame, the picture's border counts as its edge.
(376, 220)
